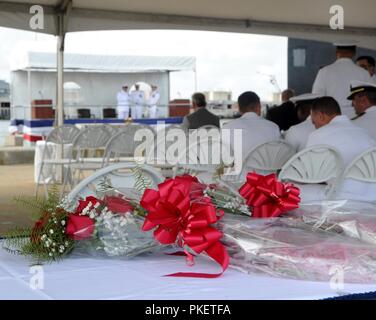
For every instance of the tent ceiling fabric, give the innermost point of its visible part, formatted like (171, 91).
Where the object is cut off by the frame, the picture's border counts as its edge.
(294, 18)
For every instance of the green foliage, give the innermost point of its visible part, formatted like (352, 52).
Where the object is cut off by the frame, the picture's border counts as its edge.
(142, 182)
(46, 240)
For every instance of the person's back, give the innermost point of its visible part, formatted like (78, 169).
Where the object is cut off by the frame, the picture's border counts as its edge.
(255, 130)
(297, 135)
(334, 80)
(201, 116)
(337, 131)
(341, 134)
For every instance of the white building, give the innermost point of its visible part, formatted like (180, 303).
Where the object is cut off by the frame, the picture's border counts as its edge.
(91, 81)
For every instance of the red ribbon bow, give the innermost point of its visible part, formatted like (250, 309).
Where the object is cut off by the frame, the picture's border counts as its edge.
(268, 196)
(178, 219)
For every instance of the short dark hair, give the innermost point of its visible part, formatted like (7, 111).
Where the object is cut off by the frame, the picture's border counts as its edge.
(199, 99)
(371, 95)
(248, 101)
(304, 107)
(369, 59)
(327, 105)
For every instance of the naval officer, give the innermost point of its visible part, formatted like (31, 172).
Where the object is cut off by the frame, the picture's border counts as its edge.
(123, 102)
(334, 80)
(153, 102)
(363, 97)
(138, 99)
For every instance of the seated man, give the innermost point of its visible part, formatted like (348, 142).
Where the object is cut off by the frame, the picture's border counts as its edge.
(255, 130)
(337, 131)
(201, 116)
(297, 135)
(363, 96)
(284, 115)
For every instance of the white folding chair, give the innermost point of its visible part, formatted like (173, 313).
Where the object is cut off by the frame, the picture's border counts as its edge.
(314, 166)
(268, 157)
(205, 157)
(363, 167)
(57, 156)
(358, 181)
(157, 156)
(122, 146)
(119, 176)
(88, 150)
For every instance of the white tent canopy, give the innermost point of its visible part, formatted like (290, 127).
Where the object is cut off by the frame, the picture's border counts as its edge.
(295, 18)
(45, 61)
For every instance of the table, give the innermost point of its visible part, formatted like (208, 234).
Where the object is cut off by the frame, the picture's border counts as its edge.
(84, 277)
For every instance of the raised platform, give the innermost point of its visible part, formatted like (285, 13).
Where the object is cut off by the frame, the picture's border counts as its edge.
(36, 129)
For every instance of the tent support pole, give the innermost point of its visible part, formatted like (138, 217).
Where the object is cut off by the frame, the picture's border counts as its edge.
(60, 73)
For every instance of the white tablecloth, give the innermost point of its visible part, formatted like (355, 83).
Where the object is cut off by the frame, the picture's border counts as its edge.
(80, 277)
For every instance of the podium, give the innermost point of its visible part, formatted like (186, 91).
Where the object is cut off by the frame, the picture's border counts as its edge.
(179, 107)
(42, 109)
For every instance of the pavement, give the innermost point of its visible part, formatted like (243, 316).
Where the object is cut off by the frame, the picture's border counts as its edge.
(15, 180)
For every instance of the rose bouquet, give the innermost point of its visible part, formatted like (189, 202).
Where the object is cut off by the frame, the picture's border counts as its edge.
(353, 219)
(108, 226)
(289, 248)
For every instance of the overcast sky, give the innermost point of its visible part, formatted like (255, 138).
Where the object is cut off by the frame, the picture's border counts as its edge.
(225, 61)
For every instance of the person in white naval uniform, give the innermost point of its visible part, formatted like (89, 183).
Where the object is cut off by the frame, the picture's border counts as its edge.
(153, 102)
(334, 80)
(138, 99)
(255, 129)
(363, 96)
(297, 135)
(338, 131)
(123, 102)
(368, 63)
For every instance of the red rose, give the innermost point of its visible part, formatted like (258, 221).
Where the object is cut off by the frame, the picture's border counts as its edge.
(79, 227)
(38, 227)
(82, 204)
(118, 205)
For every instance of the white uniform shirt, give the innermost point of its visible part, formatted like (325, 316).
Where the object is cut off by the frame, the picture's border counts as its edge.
(123, 99)
(255, 131)
(297, 135)
(154, 98)
(350, 141)
(373, 78)
(334, 80)
(368, 121)
(138, 97)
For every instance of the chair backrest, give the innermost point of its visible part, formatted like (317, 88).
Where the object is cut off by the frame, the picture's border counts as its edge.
(204, 158)
(164, 139)
(120, 176)
(92, 137)
(363, 167)
(268, 157)
(317, 164)
(64, 134)
(111, 129)
(124, 143)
